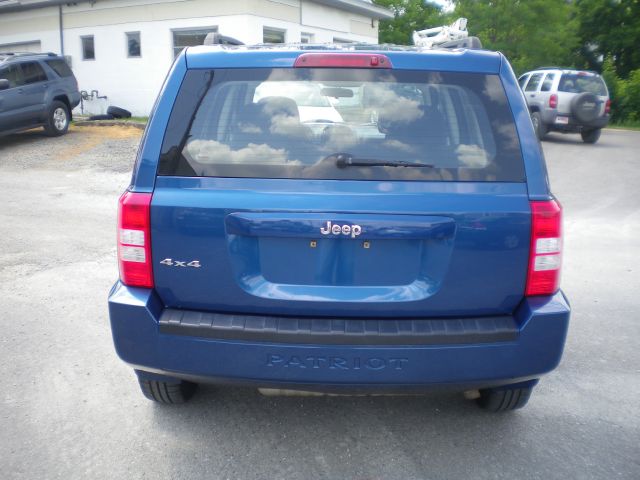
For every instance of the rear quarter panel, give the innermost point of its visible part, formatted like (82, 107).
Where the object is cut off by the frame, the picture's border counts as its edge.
(534, 164)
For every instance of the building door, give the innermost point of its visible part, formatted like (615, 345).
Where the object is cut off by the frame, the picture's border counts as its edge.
(33, 47)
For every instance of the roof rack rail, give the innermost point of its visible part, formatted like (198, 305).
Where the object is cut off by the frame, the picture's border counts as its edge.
(566, 68)
(28, 54)
(214, 38)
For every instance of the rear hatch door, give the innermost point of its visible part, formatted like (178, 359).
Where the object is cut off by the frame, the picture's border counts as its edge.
(419, 210)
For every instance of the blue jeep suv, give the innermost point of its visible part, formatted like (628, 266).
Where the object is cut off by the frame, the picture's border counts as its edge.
(348, 219)
(36, 90)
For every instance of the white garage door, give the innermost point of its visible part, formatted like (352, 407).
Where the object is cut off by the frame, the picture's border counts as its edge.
(21, 47)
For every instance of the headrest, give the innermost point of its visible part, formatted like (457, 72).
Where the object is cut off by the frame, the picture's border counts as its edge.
(274, 106)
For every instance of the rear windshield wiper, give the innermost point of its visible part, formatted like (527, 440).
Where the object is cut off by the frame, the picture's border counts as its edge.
(344, 160)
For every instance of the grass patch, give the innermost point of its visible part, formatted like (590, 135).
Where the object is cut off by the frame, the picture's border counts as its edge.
(146, 119)
(627, 125)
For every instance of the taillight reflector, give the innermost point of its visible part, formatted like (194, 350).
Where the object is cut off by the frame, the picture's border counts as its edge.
(607, 107)
(545, 257)
(134, 240)
(553, 101)
(343, 60)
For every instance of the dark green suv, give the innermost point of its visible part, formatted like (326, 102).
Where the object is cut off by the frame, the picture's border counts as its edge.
(36, 90)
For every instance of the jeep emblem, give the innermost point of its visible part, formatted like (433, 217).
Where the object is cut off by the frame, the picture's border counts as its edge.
(333, 228)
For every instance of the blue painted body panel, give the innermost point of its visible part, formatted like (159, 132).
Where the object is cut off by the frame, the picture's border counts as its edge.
(135, 312)
(144, 170)
(444, 249)
(278, 273)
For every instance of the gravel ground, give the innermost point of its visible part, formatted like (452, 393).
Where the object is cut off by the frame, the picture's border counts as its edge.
(110, 149)
(71, 409)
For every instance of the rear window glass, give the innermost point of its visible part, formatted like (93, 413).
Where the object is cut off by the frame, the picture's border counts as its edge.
(342, 124)
(60, 67)
(580, 83)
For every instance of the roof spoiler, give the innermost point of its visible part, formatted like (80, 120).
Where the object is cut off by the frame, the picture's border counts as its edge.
(214, 38)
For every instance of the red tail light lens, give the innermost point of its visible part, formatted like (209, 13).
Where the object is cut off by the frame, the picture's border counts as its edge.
(607, 107)
(343, 60)
(134, 240)
(553, 101)
(545, 257)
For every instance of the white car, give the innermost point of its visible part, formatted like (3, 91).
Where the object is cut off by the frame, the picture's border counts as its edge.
(313, 106)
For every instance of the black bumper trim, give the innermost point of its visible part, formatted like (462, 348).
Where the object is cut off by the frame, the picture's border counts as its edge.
(333, 331)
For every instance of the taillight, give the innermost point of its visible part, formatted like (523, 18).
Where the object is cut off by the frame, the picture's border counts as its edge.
(343, 60)
(545, 257)
(134, 240)
(553, 101)
(607, 107)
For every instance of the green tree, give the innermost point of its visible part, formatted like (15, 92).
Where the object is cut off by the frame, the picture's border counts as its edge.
(610, 28)
(531, 33)
(410, 15)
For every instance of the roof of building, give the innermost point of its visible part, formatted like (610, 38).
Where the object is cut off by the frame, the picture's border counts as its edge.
(363, 7)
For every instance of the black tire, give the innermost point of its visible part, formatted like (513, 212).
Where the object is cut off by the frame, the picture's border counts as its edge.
(118, 112)
(538, 126)
(102, 117)
(57, 119)
(590, 136)
(585, 107)
(167, 393)
(504, 399)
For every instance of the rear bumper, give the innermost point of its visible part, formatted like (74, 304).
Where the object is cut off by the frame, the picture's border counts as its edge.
(549, 119)
(478, 356)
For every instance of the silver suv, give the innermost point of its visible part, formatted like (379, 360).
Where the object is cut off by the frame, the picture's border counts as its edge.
(567, 101)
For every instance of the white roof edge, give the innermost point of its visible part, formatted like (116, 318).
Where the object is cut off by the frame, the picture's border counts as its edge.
(359, 6)
(362, 7)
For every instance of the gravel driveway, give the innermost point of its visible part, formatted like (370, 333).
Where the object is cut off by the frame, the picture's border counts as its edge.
(70, 409)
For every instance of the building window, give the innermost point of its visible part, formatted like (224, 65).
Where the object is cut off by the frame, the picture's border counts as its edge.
(307, 38)
(342, 40)
(273, 35)
(88, 52)
(133, 44)
(189, 38)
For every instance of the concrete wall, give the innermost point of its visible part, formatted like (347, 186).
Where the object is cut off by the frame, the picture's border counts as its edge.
(133, 83)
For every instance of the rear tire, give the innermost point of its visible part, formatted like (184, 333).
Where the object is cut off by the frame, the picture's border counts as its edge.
(538, 126)
(57, 119)
(504, 399)
(167, 392)
(118, 112)
(590, 136)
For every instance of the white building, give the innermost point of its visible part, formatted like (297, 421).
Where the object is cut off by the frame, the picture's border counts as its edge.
(122, 49)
